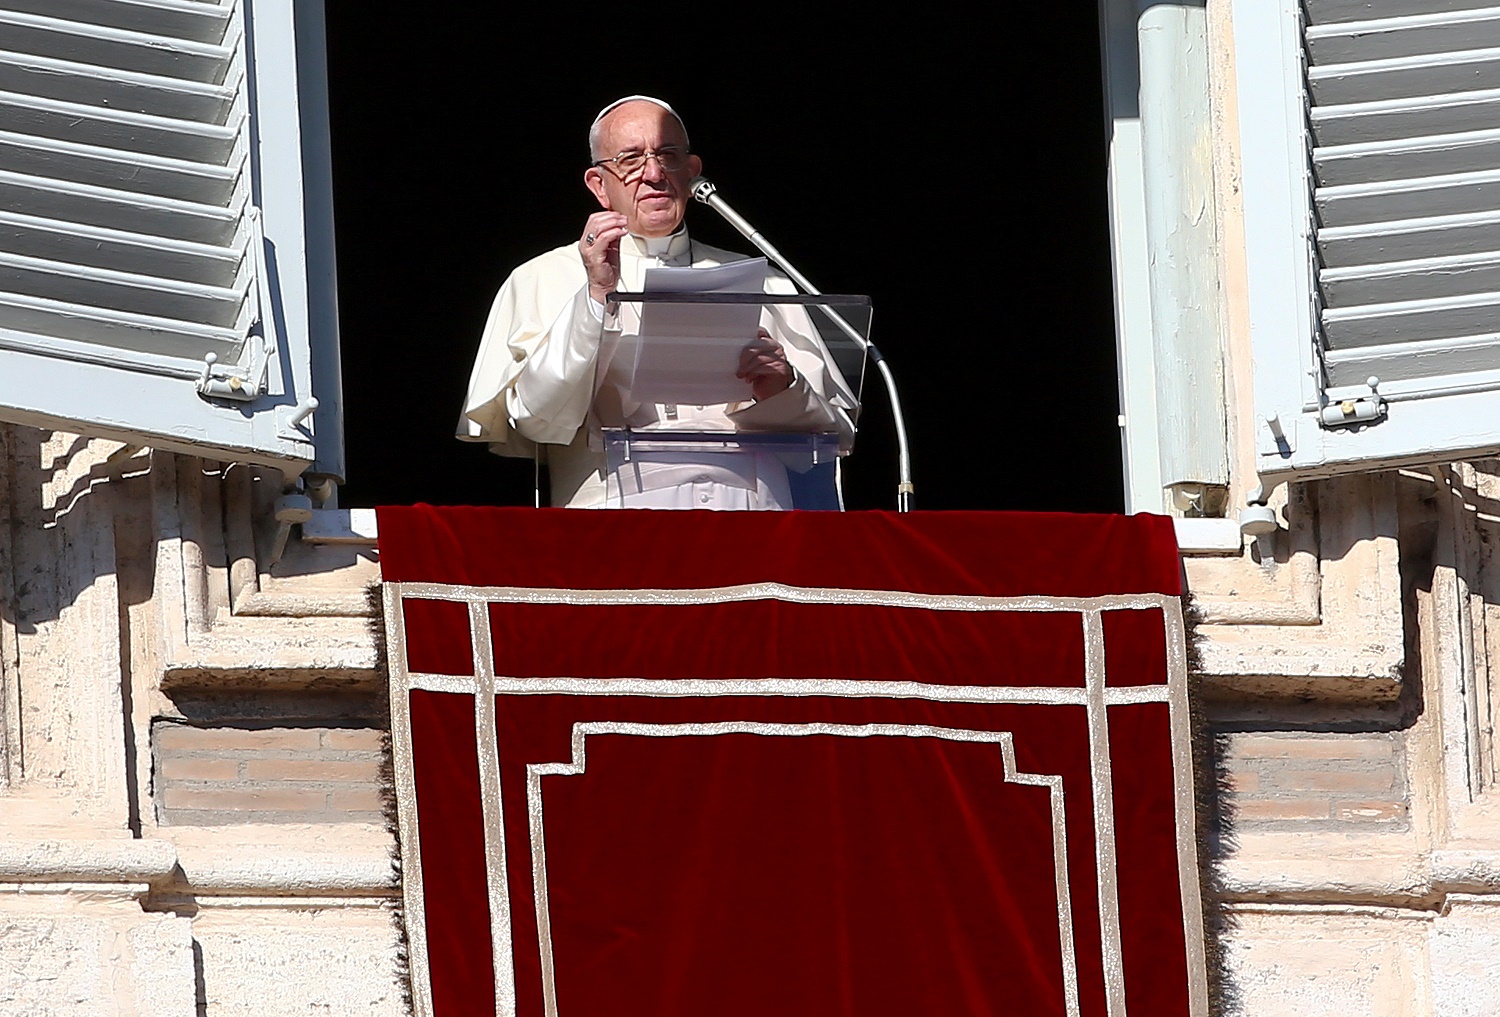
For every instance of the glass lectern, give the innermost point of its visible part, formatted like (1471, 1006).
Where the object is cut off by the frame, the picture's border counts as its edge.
(673, 413)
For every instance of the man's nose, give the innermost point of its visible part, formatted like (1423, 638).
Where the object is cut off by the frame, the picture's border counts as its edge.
(652, 171)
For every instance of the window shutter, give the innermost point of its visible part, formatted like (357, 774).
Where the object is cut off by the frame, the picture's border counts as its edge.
(154, 233)
(1370, 137)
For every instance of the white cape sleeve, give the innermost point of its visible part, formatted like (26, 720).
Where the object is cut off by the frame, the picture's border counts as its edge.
(533, 377)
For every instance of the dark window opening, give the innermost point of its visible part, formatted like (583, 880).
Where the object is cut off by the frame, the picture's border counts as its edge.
(956, 175)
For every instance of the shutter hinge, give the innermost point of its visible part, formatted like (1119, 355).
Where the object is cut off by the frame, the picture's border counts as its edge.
(1367, 409)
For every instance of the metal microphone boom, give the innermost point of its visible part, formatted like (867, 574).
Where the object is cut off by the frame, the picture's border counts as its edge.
(707, 193)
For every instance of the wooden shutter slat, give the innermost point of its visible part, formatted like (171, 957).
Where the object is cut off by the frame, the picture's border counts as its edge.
(129, 292)
(145, 53)
(1391, 38)
(121, 250)
(116, 90)
(131, 172)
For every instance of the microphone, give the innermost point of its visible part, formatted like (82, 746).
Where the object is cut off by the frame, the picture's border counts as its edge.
(704, 190)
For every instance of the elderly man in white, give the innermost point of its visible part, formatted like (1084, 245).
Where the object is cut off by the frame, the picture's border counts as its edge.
(533, 390)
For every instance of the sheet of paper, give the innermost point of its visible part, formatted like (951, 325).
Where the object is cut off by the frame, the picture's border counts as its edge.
(688, 353)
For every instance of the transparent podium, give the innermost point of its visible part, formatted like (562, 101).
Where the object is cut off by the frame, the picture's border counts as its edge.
(681, 430)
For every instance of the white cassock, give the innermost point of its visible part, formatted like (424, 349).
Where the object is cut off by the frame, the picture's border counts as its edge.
(533, 390)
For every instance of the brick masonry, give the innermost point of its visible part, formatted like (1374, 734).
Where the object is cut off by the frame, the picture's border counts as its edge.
(260, 773)
(1300, 780)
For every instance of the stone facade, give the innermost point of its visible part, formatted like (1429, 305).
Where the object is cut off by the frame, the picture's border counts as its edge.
(1350, 825)
(191, 746)
(192, 719)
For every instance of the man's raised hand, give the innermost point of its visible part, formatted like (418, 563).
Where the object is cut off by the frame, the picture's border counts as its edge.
(600, 247)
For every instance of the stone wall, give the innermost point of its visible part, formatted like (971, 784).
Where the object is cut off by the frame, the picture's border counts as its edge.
(191, 741)
(191, 737)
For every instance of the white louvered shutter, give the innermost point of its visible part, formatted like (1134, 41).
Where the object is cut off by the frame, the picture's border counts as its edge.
(1370, 138)
(154, 242)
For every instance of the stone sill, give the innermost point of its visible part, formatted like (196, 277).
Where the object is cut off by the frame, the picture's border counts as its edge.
(356, 527)
(349, 527)
(333, 860)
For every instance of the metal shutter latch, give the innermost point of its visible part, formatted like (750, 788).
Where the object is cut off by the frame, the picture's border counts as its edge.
(1363, 410)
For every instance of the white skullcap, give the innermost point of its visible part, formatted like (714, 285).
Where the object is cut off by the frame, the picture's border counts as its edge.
(606, 111)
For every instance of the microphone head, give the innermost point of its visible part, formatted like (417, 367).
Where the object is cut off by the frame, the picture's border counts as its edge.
(702, 189)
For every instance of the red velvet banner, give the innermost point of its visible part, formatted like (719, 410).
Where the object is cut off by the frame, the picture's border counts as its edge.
(663, 764)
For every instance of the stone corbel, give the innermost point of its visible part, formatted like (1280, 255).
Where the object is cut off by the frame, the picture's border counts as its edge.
(1323, 616)
(240, 622)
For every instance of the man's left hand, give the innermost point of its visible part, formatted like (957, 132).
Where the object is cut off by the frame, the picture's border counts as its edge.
(763, 364)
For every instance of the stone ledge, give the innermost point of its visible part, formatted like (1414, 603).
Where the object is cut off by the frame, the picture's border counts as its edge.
(217, 873)
(302, 652)
(349, 860)
(1295, 869)
(358, 528)
(1467, 870)
(1375, 679)
(328, 604)
(350, 527)
(87, 861)
(1208, 536)
(255, 860)
(1321, 617)
(1298, 867)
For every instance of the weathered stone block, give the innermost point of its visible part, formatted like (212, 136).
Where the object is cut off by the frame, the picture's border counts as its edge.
(321, 963)
(87, 955)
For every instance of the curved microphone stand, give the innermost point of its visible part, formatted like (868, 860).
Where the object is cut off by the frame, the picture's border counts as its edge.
(705, 192)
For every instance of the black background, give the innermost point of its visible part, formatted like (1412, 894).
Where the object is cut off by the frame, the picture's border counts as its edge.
(954, 173)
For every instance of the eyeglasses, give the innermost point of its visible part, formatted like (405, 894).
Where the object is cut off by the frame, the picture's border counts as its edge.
(629, 165)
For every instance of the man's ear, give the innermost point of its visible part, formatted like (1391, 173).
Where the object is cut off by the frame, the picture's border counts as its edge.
(593, 179)
(695, 167)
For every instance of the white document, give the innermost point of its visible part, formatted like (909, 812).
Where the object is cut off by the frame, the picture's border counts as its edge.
(688, 354)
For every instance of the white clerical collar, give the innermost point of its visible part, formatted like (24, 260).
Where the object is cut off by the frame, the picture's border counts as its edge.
(656, 247)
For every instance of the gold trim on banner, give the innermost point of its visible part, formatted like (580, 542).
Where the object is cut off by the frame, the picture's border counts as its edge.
(412, 898)
(1053, 782)
(492, 803)
(780, 591)
(1103, 793)
(694, 688)
(1187, 808)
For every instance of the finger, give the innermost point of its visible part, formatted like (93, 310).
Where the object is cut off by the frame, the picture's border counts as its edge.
(604, 220)
(759, 367)
(771, 357)
(770, 354)
(597, 230)
(604, 240)
(748, 362)
(762, 348)
(764, 370)
(598, 245)
(600, 222)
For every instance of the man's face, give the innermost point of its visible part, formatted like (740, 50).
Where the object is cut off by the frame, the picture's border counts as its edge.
(655, 201)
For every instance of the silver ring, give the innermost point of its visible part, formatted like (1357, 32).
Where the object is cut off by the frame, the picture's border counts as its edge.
(589, 240)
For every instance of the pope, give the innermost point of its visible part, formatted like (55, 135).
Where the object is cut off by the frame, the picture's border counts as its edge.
(538, 386)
